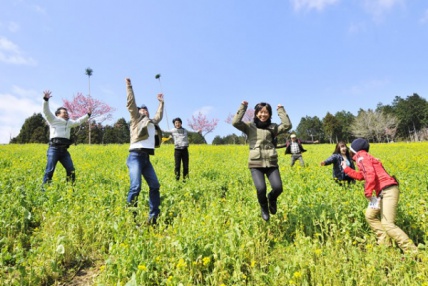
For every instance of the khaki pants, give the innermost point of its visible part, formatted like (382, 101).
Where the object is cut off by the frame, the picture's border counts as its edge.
(386, 226)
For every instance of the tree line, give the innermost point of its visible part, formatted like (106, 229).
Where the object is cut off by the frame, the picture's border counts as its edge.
(405, 119)
(36, 130)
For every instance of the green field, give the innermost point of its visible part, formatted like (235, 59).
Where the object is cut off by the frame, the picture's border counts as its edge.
(210, 231)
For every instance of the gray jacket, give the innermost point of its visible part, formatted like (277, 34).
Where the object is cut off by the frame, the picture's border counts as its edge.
(180, 136)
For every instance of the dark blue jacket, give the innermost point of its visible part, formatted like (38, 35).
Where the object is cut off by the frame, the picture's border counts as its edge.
(338, 172)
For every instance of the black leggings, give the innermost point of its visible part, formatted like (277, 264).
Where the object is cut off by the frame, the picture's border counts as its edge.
(274, 177)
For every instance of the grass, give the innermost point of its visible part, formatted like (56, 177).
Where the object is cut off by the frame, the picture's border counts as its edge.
(210, 231)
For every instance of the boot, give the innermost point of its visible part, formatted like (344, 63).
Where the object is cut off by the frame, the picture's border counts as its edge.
(272, 205)
(265, 211)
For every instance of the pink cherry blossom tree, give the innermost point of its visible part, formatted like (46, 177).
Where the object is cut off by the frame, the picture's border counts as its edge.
(248, 116)
(202, 123)
(81, 105)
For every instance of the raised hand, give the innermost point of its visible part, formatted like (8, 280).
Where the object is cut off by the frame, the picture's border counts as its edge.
(47, 94)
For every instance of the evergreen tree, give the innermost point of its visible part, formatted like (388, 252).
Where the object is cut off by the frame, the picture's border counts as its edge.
(218, 140)
(412, 114)
(34, 130)
(331, 127)
(345, 120)
(121, 131)
(310, 128)
(109, 136)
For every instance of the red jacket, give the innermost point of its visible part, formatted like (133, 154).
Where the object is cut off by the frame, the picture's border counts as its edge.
(372, 171)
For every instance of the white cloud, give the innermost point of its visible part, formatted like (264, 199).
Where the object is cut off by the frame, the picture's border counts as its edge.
(378, 8)
(355, 28)
(40, 9)
(205, 110)
(11, 54)
(311, 4)
(13, 27)
(15, 108)
(366, 87)
(424, 18)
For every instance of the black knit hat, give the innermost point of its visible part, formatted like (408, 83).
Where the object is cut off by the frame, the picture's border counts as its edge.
(360, 144)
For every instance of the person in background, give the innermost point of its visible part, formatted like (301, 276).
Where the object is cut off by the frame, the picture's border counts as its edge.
(295, 148)
(144, 139)
(59, 138)
(340, 154)
(181, 145)
(382, 192)
(263, 158)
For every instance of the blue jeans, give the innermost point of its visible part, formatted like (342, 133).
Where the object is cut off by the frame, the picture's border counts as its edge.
(54, 155)
(139, 164)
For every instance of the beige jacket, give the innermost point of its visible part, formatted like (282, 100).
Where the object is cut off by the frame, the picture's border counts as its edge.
(138, 125)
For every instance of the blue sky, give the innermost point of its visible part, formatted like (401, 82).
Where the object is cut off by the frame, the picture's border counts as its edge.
(312, 56)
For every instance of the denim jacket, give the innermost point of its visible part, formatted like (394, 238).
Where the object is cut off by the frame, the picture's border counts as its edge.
(338, 172)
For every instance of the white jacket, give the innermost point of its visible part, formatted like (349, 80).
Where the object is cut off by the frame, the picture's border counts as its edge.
(60, 127)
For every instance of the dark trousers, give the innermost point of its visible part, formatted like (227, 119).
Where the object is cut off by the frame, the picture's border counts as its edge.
(181, 155)
(274, 178)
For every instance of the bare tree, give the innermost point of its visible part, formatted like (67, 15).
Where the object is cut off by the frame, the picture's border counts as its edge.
(375, 125)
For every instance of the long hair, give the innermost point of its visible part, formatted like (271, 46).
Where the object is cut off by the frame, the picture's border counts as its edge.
(337, 148)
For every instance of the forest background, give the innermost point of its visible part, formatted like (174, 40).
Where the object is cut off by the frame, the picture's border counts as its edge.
(405, 119)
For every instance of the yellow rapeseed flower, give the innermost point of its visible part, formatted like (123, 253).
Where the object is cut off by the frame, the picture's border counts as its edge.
(181, 263)
(206, 261)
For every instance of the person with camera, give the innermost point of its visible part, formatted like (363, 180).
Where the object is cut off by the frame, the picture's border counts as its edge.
(59, 138)
(382, 192)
